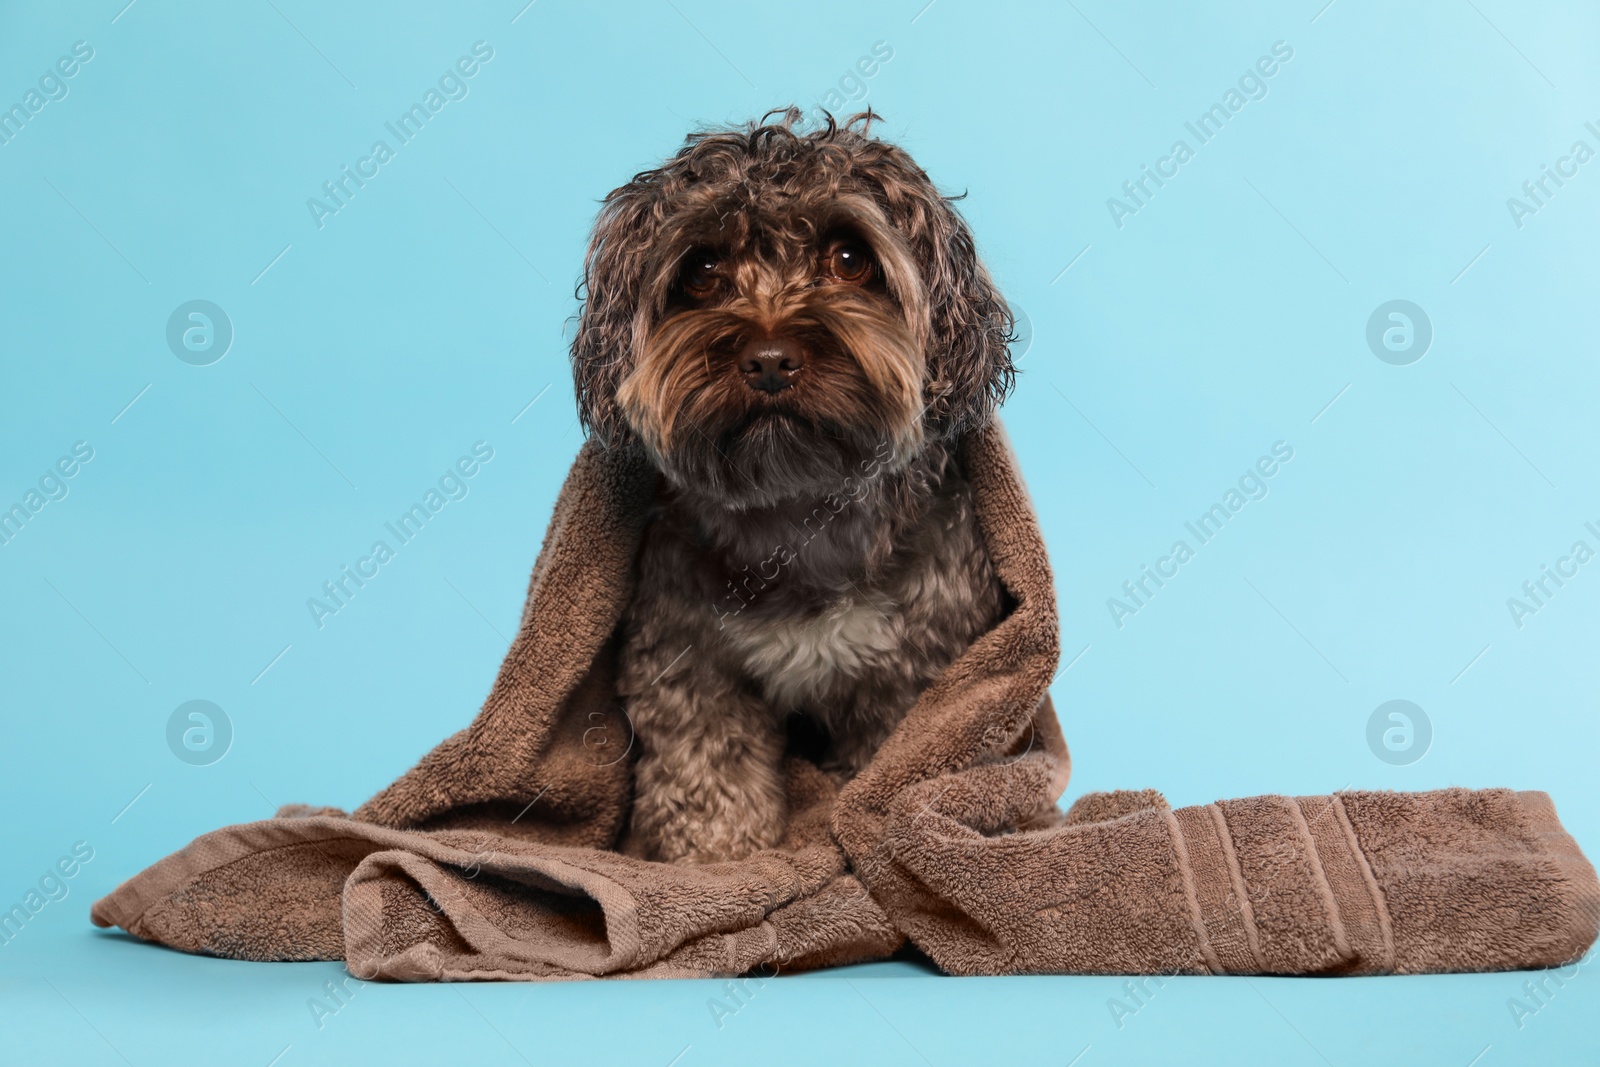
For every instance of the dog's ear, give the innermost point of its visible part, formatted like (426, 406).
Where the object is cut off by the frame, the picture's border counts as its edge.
(972, 329)
(612, 296)
(969, 371)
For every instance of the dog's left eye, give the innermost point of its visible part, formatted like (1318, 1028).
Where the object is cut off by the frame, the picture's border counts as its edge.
(702, 274)
(849, 261)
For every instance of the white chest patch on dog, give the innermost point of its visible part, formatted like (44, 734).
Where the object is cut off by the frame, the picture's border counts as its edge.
(805, 661)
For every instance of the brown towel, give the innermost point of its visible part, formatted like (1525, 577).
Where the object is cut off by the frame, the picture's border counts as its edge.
(494, 857)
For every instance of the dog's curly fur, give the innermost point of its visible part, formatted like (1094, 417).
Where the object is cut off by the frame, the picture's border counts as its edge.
(813, 561)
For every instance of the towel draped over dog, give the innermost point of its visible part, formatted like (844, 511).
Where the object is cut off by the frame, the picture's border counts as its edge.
(496, 856)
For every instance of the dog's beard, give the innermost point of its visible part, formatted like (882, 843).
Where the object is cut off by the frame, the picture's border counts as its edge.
(856, 405)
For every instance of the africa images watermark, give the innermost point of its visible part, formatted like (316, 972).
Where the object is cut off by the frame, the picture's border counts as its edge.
(452, 485)
(52, 86)
(738, 994)
(199, 733)
(1138, 994)
(1399, 732)
(1532, 202)
(1252, 485)
(851, 87)
(1540, 991)
(53, 887)
(52, 486)
(851, 490)
(452, 85)
(1252, 86)
(1537, 592)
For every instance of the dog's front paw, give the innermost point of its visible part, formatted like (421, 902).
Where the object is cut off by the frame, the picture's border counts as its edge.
(728, 818)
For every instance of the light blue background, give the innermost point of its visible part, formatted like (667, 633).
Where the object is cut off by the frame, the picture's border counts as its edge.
(370, 353)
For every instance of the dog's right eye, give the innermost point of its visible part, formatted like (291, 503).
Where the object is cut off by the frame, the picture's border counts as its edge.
(702, 275)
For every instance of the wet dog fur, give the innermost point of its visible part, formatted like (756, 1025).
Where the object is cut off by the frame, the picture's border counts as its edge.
(793, 324)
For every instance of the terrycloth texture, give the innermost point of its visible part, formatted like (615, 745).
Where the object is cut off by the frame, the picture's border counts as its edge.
(495, 856)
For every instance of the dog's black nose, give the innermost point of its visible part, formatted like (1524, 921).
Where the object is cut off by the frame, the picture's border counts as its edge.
(771, 364)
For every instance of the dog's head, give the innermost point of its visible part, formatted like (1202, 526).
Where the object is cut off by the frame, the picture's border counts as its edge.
(773, 307)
